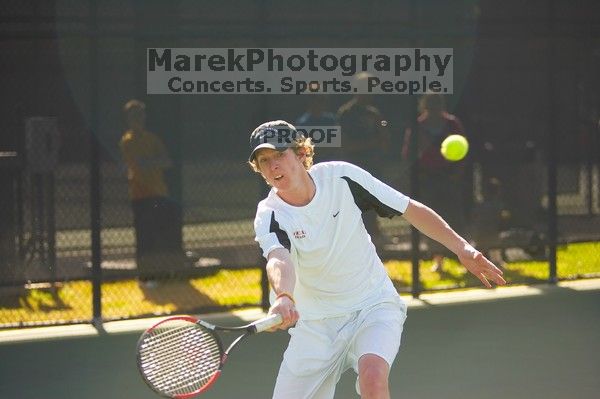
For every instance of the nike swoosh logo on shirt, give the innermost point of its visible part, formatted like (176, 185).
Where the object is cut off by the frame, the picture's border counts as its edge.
(337, 213)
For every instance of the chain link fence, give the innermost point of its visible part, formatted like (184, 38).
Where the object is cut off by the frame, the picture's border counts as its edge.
(527, 194)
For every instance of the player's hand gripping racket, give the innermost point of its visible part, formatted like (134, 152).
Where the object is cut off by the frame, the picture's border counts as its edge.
(182, 356)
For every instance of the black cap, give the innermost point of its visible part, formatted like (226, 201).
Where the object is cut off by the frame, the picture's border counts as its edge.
(277, 135)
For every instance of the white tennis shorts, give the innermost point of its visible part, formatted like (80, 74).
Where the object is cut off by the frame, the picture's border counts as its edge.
(321, 350)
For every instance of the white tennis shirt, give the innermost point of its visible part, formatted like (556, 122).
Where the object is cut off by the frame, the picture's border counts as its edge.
(337, 268)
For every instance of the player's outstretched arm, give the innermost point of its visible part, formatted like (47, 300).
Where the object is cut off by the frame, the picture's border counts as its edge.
(282, 277)
(432, 225)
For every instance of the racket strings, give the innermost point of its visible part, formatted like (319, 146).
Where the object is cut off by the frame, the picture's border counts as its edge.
(178, 359)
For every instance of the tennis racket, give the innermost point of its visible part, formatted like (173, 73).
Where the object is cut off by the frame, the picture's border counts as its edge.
(181, 356)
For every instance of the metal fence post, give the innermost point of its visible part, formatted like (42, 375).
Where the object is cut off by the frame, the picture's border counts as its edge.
(263, 15)
(95, 189)
(552, 150)
(415, 235)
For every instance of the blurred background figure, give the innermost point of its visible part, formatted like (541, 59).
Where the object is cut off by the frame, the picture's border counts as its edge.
(488, 219)
(146, 158)
(318, 114)
(441, 182)
(365, 143)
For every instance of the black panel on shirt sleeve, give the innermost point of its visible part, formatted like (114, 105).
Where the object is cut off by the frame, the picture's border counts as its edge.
(281, 235)
(365, 200)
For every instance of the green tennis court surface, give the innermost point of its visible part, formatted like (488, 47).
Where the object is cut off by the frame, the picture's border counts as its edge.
(542, 343)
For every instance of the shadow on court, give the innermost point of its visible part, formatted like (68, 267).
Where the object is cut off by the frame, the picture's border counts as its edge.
(541, 346)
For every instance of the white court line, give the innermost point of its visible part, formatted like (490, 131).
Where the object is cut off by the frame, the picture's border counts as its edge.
(125, 326)
(248, 315)
(111, 327)
(472, 295)
(476, 295)
(581, 285)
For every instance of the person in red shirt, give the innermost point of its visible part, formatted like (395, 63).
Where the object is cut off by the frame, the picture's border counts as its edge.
(441, 181)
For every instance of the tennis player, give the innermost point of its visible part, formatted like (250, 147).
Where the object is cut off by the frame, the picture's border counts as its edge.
(327, 281)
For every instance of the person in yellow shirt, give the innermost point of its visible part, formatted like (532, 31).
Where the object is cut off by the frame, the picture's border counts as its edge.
(146, 159)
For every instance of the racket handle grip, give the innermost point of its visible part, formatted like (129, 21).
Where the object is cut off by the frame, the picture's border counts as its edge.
(268, 322)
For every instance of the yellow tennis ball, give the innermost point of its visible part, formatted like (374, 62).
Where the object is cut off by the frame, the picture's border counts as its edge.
(454, 147)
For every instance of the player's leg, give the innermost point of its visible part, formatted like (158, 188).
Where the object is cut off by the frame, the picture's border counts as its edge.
(318, 385)
(375, 347)
(373, 372)
(314, 359)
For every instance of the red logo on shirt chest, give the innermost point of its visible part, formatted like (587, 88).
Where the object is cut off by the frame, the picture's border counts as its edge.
(299, 234)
